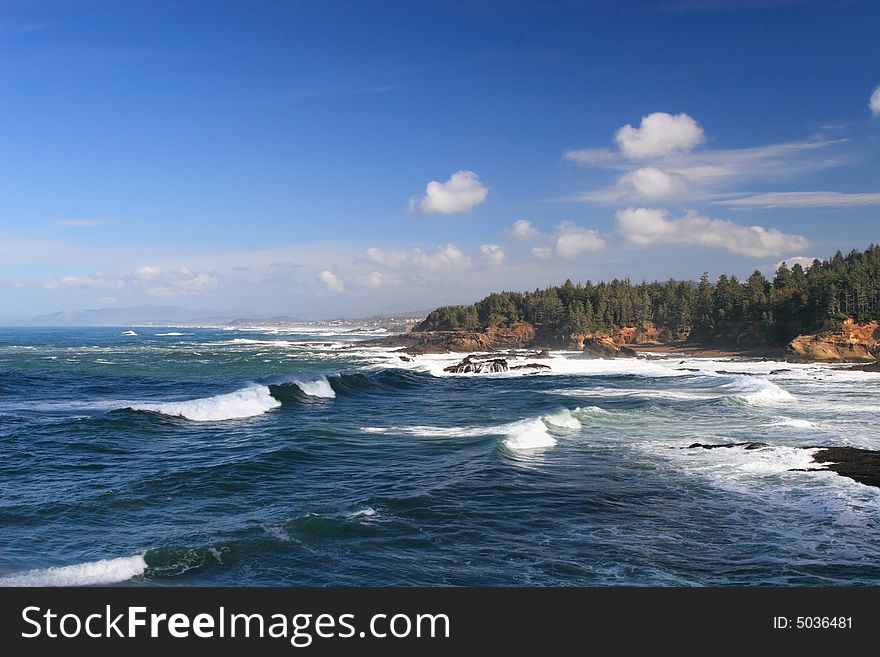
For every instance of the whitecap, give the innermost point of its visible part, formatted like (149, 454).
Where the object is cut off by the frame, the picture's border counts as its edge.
(797, 423)
(528, 434)
(562, 419)
(247, 402)
(317, 388)
(92, 573)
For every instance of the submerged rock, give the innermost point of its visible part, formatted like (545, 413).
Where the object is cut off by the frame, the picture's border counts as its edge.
(531, 366)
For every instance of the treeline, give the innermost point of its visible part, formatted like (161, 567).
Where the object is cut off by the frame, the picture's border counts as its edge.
(797, 300)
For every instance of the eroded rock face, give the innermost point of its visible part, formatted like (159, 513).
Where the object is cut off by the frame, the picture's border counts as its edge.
(852, 343)
(605, 347)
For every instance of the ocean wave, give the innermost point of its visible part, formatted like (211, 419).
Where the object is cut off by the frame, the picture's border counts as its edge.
(797, 423)
(562, 419)
(528, 434)
(172, 333)
(247, 402)
(129, 333)
(761, 392)
(92, 573)
(317, 388)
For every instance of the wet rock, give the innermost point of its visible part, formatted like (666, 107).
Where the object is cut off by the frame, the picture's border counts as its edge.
(472, 365)
(870, 367)
(531, 366)
(752, 445)
(861, 465)
(606, 348)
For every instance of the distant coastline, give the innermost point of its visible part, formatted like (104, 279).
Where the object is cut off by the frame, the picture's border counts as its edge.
(828, 311)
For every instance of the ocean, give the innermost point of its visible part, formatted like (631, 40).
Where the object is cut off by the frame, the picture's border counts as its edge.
(295, 457)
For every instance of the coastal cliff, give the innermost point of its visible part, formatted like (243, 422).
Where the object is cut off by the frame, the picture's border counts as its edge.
(851, 342)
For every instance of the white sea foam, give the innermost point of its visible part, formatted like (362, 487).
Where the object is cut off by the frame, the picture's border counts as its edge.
(129, 333)
(761, 392)
(528, 434)
(794, 422)
(317, 388)
(172, 333)
(93, 573)
(247, 402)
(562, 419)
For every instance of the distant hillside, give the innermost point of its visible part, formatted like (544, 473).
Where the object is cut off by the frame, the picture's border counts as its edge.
(754, 312)
(133, 315)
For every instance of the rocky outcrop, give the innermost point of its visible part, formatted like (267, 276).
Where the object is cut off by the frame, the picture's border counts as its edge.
(851, 342)
(537, 367)
(473, 365)
(605, 347)
(437, 342)
(861, 465)
(620, 336)
(870, 367)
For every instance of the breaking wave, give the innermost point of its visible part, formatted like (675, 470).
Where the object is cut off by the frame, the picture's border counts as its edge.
(247, 402)
(317, 388)
(92, 573)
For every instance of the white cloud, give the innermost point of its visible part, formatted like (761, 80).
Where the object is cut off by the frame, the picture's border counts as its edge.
(376, 280)
(542, 252)
(645, 226)
(802, 200)
(573, 241)
(154, 281)
(653, 183)
(462, 192)
(96, 281)
(874, 103)
(804, 261)
(493, 254)
(524, 230)
(448, 257)
(594, 156)
(659, 134)
(646, 183)
(332, 282)
(194, 284)
(147, 273)
(658, 162)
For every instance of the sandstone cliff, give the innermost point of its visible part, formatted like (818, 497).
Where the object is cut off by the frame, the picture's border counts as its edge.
(852, 342)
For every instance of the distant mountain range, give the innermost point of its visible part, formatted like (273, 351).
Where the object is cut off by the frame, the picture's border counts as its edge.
(132, 315)
(175, 315)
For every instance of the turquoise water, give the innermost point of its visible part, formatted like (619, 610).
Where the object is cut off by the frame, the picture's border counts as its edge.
(184, 456)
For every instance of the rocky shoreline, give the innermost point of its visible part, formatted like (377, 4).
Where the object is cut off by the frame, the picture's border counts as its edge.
(861, 465)
(849, 343)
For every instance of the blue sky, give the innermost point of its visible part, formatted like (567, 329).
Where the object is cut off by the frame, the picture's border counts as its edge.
(322, 158)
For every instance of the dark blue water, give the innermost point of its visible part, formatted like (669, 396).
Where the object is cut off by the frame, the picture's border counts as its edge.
(256, 458)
